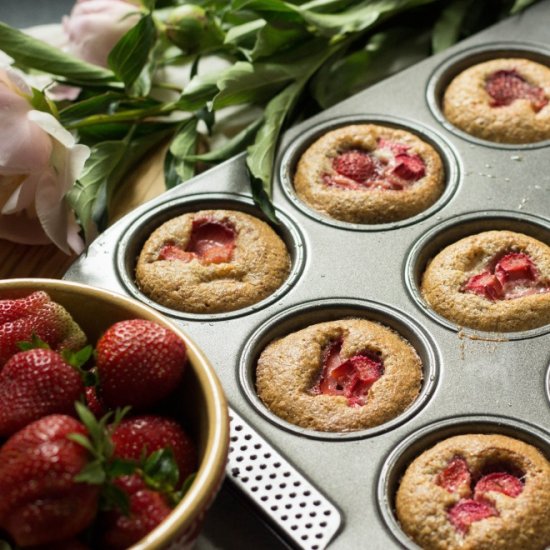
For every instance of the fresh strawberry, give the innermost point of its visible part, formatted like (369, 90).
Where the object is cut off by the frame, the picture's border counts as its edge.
(211, 241)
(93, 402)
(351, 378)
(142, 435)
(506, 86)
(468, 511)
(500, 482)
(455, 476)
(409, 167)
(36, 383)
(41, 501)
(138, 363)
(22, 317)
(148, 508)
(354, 164)
(485, 284)
(515, 267)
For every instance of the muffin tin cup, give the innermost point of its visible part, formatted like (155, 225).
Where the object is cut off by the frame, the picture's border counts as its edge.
(416, 443)
(137, 233)
(319, 311)
(454, 229)
(295, 150)
(454, 65)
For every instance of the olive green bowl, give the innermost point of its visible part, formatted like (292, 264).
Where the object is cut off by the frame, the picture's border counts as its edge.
(203, 405)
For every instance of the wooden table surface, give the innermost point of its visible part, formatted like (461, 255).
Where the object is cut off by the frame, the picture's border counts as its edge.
(17, 260)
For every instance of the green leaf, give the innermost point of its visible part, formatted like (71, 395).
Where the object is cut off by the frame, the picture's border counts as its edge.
(385, 54)
(187, 483)
(41, 103)
(148, 4)
(447, 28)
(177, 168)
(271, 40)
(275, 12)
(245, 33)
(520, 5)
(5, 546)
(198, 92)
(261, 198)
(131, 53)
(362, 16)
(160, 470)
(114, 498)
(231, 147)
(119, 467)
(90, 378)
(82, 197)
(83, 441)
(35, 343)
(34, 54)
(101, 103)
(78, 358)
(93, 473)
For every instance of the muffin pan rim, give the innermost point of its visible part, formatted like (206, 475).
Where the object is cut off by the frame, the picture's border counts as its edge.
(426, 437)
(410, 270)
(242, 204)
(449, 159)
(365, 310)
(443, 74)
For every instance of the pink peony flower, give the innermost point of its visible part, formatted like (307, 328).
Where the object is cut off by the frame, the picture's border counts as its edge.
(95, 26)
(39, 163)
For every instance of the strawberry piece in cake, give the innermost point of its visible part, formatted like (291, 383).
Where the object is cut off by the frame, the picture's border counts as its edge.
(500, 482)
(455, 475)
(468, 511)
(210, 241)
(351, 378)
(506, 86)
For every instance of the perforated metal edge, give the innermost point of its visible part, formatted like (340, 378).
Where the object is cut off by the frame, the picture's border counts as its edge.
(299, 512)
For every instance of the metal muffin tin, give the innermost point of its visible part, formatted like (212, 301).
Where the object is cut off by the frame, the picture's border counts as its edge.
(474, 381)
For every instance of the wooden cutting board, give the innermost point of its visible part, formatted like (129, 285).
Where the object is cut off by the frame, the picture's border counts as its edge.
(17, 260)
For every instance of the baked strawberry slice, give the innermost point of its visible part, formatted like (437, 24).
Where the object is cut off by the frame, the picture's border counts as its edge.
(515, 267)
(354, 164)
(468, 511)
(36, 383)
(485, 284)
(211, 241)
(506, 86)
(41, 501)
(173, 252)
(500, 482)
(147, 509)
(455, 476)
(351, 378)
(409, 167)
(139, 363)
(37, 315)
(143, 435)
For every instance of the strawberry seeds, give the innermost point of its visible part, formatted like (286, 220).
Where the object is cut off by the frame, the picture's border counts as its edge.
(388, 167)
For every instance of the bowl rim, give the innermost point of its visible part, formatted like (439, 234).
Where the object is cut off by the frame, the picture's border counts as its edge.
(212, 468)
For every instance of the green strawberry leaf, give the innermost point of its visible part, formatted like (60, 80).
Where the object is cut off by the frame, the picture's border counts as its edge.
(35, 343)
(93, 473)
(120, 467)
(90, 378)
(114, 498)
(177, 168)
(77, 358)
(160, 470)
(83, 441)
